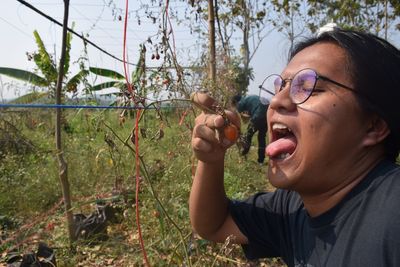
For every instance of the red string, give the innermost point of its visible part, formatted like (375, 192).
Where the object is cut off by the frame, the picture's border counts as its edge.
(124, 56)
(137, 165)
(138, 185)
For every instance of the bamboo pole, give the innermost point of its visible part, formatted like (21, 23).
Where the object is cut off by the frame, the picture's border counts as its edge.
(62, 164)
(211, 38)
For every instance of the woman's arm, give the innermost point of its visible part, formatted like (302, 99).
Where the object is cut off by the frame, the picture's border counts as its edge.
(208, 204)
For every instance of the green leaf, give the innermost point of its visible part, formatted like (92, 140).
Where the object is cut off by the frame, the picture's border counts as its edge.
(24, 75)
(140, 66)
(107, 73)
(67, 53)
(44, 61)
(107, 85)
(72, 84)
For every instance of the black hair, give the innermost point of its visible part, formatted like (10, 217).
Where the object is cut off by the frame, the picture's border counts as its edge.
(235, 99)
(374, 66)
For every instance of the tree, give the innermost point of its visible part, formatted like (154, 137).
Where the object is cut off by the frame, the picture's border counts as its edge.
(377, 16)
(47, 68)
(62, 164)
(250, 18)
(211, 42)
(246, 17)
(52, 78)
(290, 18)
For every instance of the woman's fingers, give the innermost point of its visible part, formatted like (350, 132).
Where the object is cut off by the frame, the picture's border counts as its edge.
(210, 120)
(203, 138)
(204, 101)
(214, 128)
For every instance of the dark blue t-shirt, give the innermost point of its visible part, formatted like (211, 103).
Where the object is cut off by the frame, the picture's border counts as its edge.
(254, 107)
(362, 230)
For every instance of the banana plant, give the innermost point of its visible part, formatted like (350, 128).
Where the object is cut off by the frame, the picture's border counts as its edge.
(119, 81)
(47, 72)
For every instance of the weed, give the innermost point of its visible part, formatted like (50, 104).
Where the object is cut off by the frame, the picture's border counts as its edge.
(101, 164)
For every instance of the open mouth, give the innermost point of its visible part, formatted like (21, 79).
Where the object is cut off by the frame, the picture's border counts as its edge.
(282, 144)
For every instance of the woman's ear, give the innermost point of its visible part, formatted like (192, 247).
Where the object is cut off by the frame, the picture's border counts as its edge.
(377, 131)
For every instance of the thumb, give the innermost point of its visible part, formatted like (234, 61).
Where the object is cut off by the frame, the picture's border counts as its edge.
(204, 101)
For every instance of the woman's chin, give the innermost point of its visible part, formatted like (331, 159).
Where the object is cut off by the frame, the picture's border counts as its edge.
(278, 179)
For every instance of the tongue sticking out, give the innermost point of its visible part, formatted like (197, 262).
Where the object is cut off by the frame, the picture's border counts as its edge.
(282, 146)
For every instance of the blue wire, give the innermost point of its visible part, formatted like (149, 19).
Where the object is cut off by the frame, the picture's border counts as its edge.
(68, 106)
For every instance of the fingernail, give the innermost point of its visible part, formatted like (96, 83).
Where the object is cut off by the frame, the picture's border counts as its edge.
(214, 121)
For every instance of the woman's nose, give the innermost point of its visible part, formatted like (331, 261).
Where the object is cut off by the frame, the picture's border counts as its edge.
(282, 100)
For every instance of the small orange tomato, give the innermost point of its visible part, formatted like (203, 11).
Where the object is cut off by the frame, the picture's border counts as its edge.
(231, 132)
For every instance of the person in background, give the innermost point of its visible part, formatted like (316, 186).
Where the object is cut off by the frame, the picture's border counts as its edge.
(252, 107)
(334, 141)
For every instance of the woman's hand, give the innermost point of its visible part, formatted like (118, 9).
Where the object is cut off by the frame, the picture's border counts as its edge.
(215, 130)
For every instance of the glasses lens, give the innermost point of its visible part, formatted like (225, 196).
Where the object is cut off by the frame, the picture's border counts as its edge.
(269, 88)
(302, 85)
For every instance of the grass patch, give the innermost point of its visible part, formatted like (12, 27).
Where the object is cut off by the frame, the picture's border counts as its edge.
(101, 165)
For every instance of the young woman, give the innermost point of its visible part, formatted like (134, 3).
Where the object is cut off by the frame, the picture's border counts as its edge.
(334, 133)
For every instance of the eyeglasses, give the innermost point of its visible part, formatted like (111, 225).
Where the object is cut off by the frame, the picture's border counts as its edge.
(302, 85)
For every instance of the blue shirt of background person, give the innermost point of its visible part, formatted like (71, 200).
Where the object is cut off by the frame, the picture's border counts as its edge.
(251, 106)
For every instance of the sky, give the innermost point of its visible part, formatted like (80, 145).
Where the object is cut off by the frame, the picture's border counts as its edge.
(101, 21)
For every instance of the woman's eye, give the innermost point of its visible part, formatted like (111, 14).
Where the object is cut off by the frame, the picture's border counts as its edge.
(317, 90)
(307, 89)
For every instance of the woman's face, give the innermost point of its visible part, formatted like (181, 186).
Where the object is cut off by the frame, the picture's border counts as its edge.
(314, 145)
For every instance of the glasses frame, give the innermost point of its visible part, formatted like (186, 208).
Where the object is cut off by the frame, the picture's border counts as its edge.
(289, 80)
